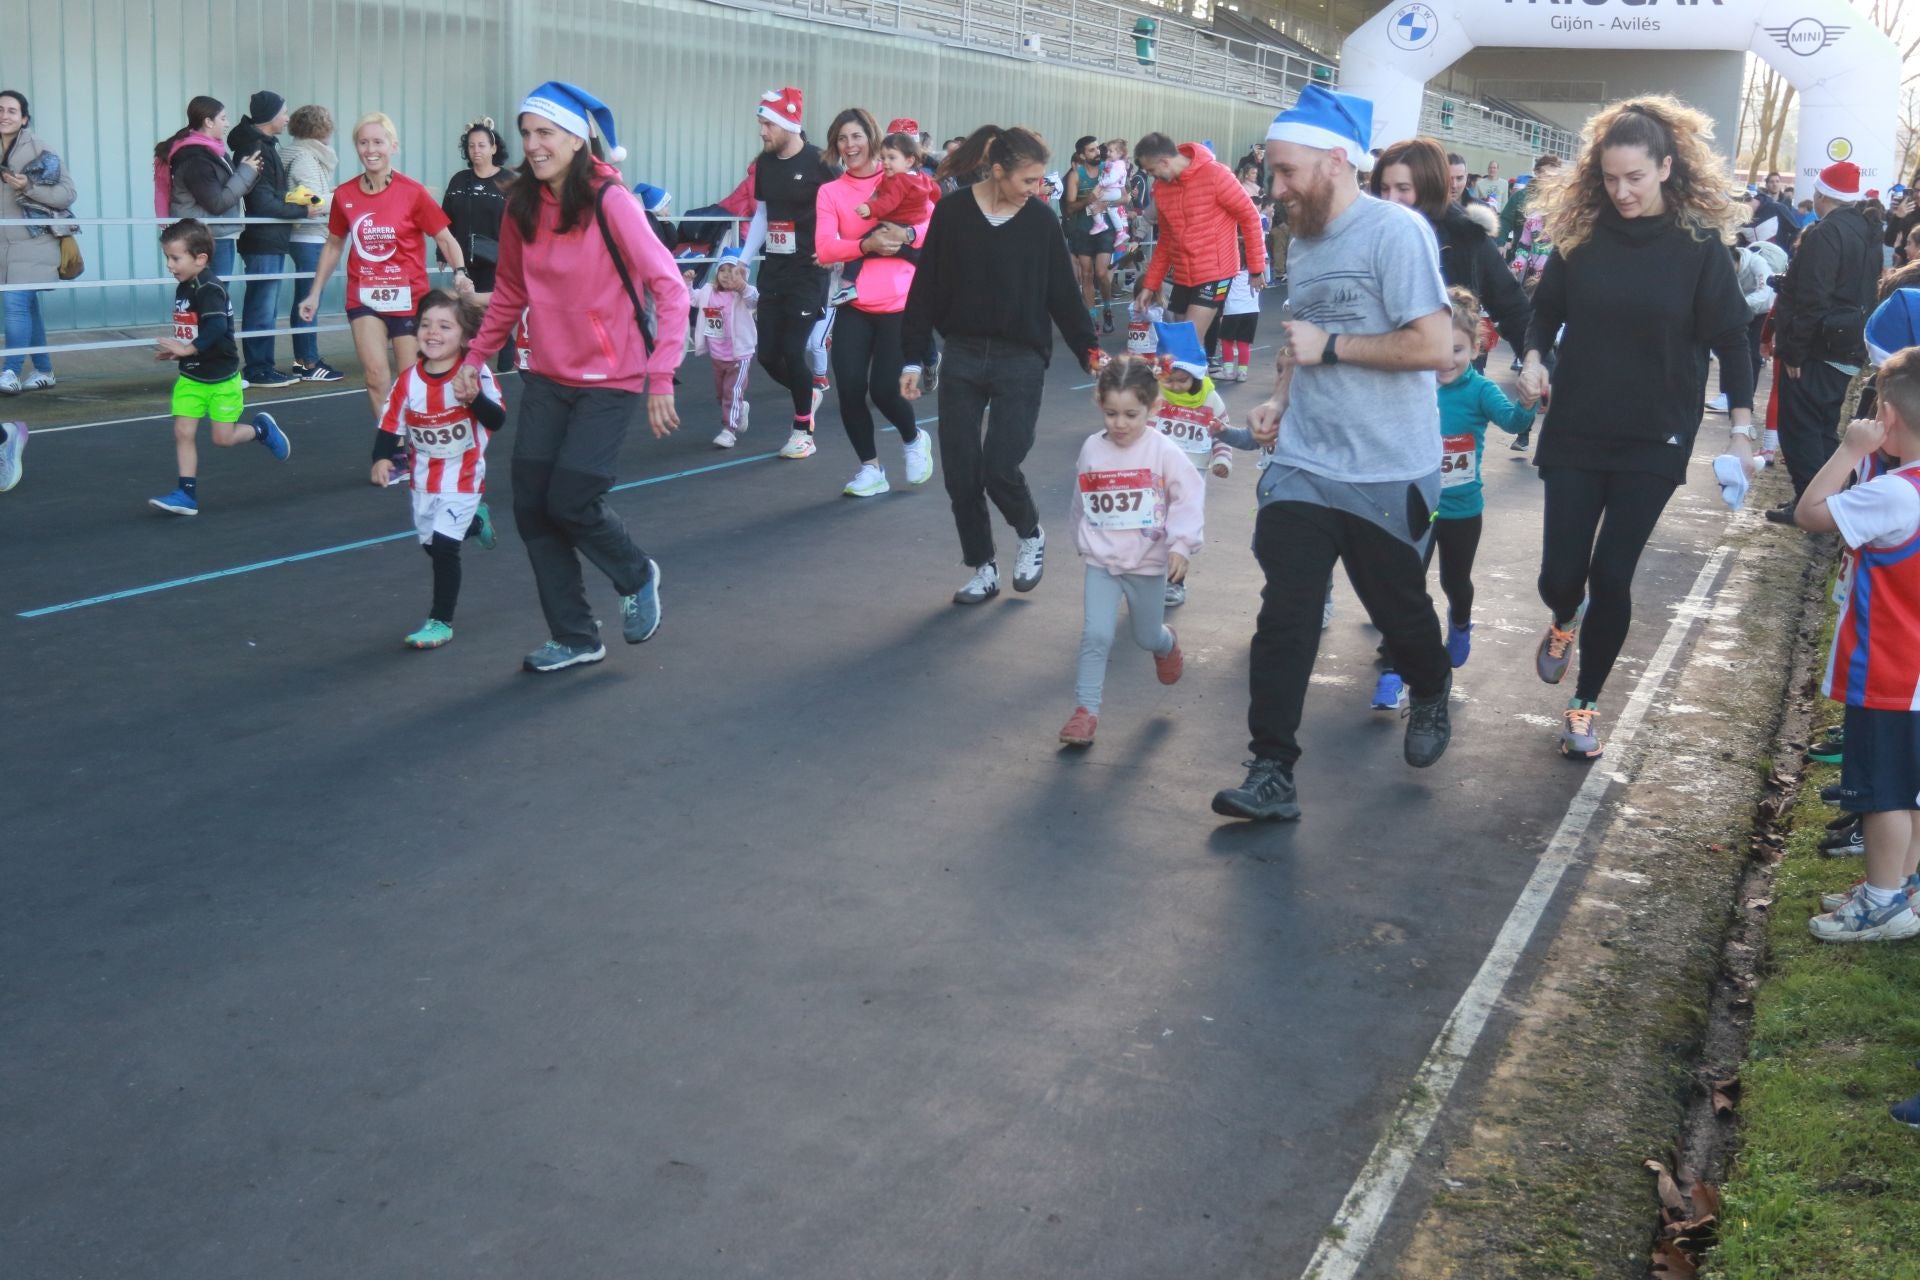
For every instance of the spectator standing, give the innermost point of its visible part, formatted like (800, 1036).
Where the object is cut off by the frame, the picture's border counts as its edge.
(194, 176)
(476, 201)
(1819, 323)
(263, 247)
(1456, 178)
(1513, 214)
(313, 168)
(1772, 221)
(35, 185)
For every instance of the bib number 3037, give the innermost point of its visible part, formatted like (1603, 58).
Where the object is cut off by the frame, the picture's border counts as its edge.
(1117, 500)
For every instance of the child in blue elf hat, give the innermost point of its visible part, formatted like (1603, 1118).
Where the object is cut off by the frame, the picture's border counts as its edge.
(1189, 411)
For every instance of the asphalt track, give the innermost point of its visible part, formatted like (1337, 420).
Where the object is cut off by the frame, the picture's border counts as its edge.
(788, 944)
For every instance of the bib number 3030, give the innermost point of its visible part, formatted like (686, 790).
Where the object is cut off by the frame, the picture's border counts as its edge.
(387, 299)
(1117, 500)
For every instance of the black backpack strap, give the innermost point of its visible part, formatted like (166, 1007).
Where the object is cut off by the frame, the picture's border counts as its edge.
(620, 265)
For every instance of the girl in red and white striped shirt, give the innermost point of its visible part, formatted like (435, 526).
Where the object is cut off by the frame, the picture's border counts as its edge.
(448, 437)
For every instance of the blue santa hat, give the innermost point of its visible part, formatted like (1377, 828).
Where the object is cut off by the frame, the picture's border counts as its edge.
(732, 256)
(1894, 325)
(1324, 120)
(1180, 347)
(653, 199)
(572, 107)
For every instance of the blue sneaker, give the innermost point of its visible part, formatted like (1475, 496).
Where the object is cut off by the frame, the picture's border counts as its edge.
(640, 612)
(1459, 643)
(1390, 693)
(483, 528)
(1908, 1112)
(179, 503)
(554, 656)
(272, 436)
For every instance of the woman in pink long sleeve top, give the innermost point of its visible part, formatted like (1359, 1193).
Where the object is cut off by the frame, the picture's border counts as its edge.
(867, 355)
(593, 357)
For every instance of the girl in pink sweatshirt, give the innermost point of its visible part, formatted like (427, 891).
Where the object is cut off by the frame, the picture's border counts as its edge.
(1138, 517)
(724, 330)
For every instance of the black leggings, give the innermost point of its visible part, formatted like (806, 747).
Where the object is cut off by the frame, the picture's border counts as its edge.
(866, 363)
(445, 554)
(1457, 541)
(1622, 507)
(1240, 328)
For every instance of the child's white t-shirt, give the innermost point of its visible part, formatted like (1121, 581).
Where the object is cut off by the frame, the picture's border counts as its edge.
(1883, 512)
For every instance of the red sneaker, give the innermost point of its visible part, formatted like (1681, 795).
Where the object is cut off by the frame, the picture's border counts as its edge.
(1170, 667)
(1078, 731)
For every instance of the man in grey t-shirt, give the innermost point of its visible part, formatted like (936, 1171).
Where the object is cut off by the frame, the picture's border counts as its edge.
(1354, 424)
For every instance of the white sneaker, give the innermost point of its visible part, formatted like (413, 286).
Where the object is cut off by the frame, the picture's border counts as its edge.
(39, 381)
(1176, 595)
(870, 481)
(1719, 403)
(1031, 562)
(798, 445)
(983, 586)
(920, 458)
(726, 439)
(11, 449)
(9, 383)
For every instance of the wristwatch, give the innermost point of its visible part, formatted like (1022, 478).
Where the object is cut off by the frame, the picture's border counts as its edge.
(1738, 430)
(1330, 355)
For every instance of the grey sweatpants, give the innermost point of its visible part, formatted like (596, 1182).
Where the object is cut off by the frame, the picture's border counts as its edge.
(1146, 595)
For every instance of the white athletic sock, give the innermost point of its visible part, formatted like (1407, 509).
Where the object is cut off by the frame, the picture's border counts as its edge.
(1881, 897)
(1771, 441)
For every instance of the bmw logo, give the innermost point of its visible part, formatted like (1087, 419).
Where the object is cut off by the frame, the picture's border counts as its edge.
(1413, 26)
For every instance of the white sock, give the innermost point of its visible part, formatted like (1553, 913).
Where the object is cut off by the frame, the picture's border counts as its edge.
(1881, 897)
(1771, 443)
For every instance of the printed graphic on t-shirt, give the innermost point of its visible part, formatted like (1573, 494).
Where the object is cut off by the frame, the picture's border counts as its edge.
(1116, 500)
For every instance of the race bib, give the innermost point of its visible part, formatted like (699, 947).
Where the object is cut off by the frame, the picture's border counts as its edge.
(1458, 465)
(781, 238)
(1843, 582)
(440, 435)
(186, 326)
(387, 299)
(714, 322)
(1119, 499)
(1186, 428)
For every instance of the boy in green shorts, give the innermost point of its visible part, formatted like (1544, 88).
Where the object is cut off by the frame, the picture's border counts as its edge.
(209, 359)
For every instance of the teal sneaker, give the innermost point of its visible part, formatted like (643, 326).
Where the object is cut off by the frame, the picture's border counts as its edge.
(554, 656)
(432, 634)
(483, 528)
(640, 612)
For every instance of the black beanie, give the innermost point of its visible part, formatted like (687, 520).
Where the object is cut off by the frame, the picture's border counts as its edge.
(264, 106)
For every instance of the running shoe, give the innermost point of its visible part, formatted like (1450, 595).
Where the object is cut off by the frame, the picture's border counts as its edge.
(983, 586)
(1825, 752)
(1835, 901)
(1176, 595)
(640, 612)
(9, 383)
(179, 503)
(1908, 1112)
(1830, 794)
(1842, 822)
(269, 434)
(318, 371)
(1522, 442)
(1268, 794)
(554, 656)
(1106, 320)
(432, 634)
(1459, 644)
(820, 388)
(38, 380)
(1850, 842)
(798, 445)
(1555, 653)
(843, 295)
(1030, 564)
(920, 457)
(1222, 466)
(1719, 403)
(274, 380)
(870, 481)
(1215, 369)
(726, 439)
(483, 531)
(1078, 730)
(1783, 514)
(12, 449)
(1861, 921)
(930, 376)
(1429, 727)
(1389, 692)
(1169, 665)
(1578, 740)
(1240, 372)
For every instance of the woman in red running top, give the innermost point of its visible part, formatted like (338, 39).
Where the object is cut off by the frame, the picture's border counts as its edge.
(379, 221)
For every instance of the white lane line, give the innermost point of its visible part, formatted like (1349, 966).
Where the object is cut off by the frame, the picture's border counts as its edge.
(267, 405)
(1350, 1237)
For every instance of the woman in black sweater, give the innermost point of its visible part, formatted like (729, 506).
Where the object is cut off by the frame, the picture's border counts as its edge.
(1642, 282)
(476, 201)
(993, 269)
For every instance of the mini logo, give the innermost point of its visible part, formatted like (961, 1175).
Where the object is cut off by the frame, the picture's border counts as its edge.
(1413, 27)
(1839, 149)
(1805, 36)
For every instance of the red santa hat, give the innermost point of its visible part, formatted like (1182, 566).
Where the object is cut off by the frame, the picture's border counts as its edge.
(1840, 181)
(782, 106)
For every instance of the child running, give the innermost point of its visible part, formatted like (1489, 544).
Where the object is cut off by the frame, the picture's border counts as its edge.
(1190, 413)
(725, 332)
(202, 346)
(448, 436)
(904, 199)
(1137, 520)
(1238, 320)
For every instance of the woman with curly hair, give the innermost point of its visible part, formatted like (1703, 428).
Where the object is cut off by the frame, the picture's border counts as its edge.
(1641, 280)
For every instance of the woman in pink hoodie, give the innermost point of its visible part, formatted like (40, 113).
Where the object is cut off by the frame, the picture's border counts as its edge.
(867, 355)
(575, 254)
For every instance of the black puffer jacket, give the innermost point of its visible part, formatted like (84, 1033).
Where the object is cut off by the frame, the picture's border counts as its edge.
(268, 197)
(1468, 259)
(1828, 292)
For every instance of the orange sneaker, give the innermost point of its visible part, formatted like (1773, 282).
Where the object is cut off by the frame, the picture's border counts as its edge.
(1170, 667)
(1078, 731)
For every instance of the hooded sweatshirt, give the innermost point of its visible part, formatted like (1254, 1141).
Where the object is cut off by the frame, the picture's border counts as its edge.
(1134, 505)
(582, 325)
(1205, 218)
(199, 180)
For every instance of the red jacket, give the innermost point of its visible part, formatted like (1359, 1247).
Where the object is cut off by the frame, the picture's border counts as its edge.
(1200, 211)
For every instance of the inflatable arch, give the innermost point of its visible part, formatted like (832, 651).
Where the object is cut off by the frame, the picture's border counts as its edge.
(1847, 73)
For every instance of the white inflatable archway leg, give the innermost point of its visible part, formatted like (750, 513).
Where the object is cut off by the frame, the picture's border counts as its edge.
(1846, 72)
